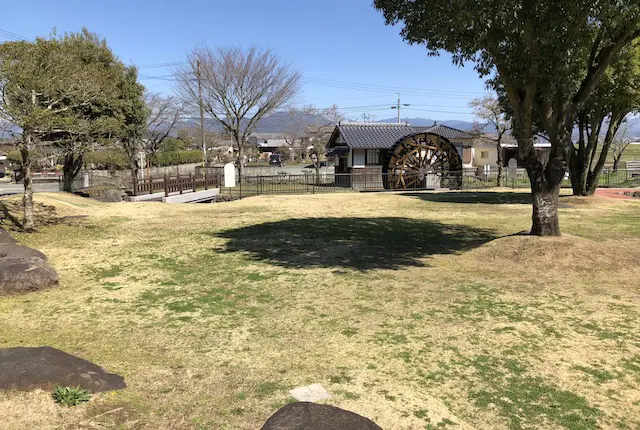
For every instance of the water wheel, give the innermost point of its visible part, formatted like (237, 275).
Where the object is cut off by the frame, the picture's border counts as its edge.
(422, 160)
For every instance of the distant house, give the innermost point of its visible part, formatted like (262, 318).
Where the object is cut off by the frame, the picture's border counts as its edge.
(269, 143)
(486, 146)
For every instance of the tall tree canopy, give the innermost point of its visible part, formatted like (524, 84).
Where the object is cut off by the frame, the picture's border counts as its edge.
(615, 97)
(43, 90)
(547, 54)
(91, 119)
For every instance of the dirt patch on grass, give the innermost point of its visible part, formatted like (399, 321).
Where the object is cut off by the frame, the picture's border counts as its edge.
(565, 253)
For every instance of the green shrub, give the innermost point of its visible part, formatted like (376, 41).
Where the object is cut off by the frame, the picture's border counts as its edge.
(14, 157)
(111, 160)
(117, 160)
(69, 396)
(172, 158)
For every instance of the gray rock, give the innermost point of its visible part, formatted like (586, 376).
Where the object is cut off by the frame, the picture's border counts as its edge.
(311, 416)
(111, 195)
(6, 238)
(19, 251)
(46, 367)
(25, 274)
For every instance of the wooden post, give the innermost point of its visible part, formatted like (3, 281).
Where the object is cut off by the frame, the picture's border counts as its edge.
(206, 180)
(166, 187)
(193, 181)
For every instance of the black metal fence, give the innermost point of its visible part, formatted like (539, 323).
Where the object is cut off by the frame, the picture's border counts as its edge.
(311, 183)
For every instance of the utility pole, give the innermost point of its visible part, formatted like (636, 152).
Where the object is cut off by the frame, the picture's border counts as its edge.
(398, 107)
(204, 144)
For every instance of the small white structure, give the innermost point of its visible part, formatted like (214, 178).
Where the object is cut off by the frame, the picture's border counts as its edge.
(229, 175)
(512, 173)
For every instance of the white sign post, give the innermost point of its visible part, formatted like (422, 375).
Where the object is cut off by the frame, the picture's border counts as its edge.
(229, 175)
(513, 169)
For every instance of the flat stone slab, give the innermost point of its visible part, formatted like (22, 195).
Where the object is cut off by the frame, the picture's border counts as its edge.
(310, 416)
(310, 393)
(26, 369)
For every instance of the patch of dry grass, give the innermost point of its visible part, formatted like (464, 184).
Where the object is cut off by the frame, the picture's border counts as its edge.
(213, 312)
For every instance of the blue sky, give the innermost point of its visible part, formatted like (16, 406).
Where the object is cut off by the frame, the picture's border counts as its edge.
(343, 49)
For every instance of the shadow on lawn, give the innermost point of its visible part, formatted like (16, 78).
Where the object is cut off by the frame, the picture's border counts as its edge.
(491, 198)
(354, 243)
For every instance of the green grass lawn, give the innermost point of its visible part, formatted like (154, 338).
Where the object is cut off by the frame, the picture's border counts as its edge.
(419, 311)
(631, 153)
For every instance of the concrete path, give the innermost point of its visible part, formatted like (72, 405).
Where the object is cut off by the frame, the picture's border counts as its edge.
(8, 189)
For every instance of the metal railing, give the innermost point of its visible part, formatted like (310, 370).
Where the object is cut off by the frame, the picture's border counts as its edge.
(312, 183)
(324, 182)
(175, 184)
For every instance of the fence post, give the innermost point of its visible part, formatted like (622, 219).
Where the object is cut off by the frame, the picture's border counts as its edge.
(193, 181)
(166, 187)
(135, 186)
(206, 180)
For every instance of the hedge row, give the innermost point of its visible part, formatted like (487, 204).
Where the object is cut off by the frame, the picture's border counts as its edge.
(117, 160)
(176, 157)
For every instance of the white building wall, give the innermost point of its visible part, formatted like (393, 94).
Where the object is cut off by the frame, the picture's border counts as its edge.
(359, 157)
(491, 158)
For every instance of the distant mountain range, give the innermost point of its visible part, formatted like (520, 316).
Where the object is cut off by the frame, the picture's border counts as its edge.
(277, 123)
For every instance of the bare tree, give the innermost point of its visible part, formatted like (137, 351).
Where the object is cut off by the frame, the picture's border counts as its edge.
(236, 88)
(621, 141)
(296, 123)
(489, 109)
(165, 113)
(318, 138)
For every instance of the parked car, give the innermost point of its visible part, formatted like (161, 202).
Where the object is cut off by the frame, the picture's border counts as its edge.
(276, 160)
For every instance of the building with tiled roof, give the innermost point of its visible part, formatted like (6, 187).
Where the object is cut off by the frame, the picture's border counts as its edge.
(360, 145)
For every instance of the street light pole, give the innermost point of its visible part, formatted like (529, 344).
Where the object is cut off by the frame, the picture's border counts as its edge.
(204, 144)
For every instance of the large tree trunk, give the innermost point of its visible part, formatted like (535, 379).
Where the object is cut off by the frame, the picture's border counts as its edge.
(71, 169)
(545, 189)
(240, 159)
(546, 178)
(500, 161)
(135, 169)
(616, 162)
(27, 200)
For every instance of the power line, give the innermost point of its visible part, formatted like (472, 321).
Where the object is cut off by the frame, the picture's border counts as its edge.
(386, 88)
(12, 36)
(356, 87)
(161, 65)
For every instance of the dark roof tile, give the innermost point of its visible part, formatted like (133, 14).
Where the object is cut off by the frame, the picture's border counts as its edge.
(385, 136)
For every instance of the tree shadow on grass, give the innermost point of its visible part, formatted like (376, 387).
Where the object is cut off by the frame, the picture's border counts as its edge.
(470, 197)
(8, 219)
(351, 243)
